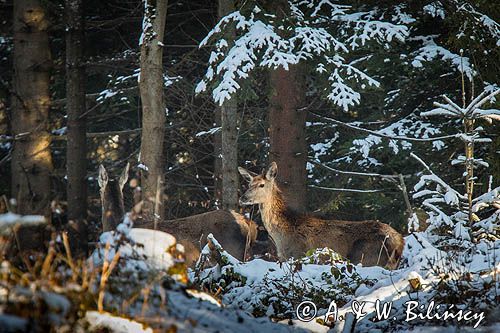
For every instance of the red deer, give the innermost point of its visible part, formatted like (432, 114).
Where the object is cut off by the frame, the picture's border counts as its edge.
(233, 231)
(369, 242)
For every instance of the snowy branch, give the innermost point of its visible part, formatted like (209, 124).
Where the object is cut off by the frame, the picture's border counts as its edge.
(344, 189)
(261, 43)
(364, 174)
(471, 111)
(378, 134)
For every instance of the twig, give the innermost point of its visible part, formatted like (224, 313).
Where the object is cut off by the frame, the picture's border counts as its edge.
(107, 268)
(395, 137)
(365, 174)
(345, 189)
(402, 186)
(71, 263)
(64, 137)
(421, 162)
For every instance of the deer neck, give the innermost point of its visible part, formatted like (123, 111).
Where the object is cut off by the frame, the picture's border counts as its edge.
(113, 209)
(274, 212)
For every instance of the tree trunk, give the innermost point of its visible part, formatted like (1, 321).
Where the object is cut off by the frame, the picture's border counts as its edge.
(76, 151)
(230, 174)
(31, 158)
(218, 157)
(287, 133)
(227, 152)
(153, 106)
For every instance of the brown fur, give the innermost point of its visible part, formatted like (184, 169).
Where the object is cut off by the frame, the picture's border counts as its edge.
(113, 209)
(229, 228)
(234, 232)
(369, 242)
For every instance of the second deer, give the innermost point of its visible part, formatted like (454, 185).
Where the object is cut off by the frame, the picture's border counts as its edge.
(369, 242)
(234, 232)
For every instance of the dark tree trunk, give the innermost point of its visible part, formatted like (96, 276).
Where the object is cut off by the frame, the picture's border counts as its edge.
(153, 108)
(76, 152)
(226, 149)
(287, 133)
(230, 174)
(218, 157)
(31, 157)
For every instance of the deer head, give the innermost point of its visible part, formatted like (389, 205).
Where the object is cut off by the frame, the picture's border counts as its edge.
(112, 198)
(260, 187)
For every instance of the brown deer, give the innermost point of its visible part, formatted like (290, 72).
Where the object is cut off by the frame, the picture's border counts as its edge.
(234, 232)
(369, 242)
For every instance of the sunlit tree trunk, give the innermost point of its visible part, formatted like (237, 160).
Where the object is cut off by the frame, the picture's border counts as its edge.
(226, 144)
(287, 133)
(76, 151)
(31, 156)
(153, 108)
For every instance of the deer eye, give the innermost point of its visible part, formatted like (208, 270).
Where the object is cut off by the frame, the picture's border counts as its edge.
(261, 185)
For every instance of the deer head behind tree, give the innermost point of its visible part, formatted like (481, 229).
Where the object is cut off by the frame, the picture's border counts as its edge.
(111, 191)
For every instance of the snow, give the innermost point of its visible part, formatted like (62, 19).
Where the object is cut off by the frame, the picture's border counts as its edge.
(10, 220)
(409, 126)
(260, 43)
(435, 9)
(191, 315)
(142, 167)
(323, 148)
(401, 17)
(147, 252)
(413, 126)
(102, 321)
(490, 198)
(11, 323)
(105, 94)
(60, 131)
(482, 20)
(209, 132)
(144, 248)
(413, 223)
(261, 287)
(430, 50)
(471, 111)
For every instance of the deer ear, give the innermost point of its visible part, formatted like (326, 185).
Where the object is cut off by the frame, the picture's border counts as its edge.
(246, 174)
(124, 176)
(272, 171)
(102, 179)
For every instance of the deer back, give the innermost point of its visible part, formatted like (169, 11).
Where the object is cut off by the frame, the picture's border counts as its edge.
(233, 231)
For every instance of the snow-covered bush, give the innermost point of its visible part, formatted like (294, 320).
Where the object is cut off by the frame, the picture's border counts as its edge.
(274, 289)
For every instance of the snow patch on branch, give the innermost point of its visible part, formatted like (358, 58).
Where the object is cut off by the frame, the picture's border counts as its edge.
(261, 42)
(430, 51)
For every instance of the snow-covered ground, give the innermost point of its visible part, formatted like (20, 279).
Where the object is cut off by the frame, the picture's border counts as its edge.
(348, 291)
(321, 292)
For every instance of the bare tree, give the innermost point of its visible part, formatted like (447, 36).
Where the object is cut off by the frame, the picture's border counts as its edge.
(31, 157)
(76, 152)
(287, 133)
(226, 139)
(151, 85)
